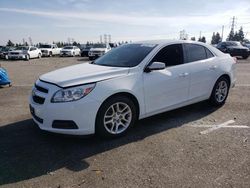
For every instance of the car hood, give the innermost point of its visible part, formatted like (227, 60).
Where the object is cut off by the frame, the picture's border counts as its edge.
(66, 50)
(97, 49)
(237, 47)
(82, 74)
(45, 48)
(18, 51)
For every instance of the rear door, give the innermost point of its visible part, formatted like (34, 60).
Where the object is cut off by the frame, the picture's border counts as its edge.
(33, 52)
(165, 88)
(203, 70)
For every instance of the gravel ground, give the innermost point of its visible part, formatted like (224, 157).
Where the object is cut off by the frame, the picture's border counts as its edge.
(167, 150)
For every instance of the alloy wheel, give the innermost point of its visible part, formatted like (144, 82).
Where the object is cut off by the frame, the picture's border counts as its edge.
(117, 118)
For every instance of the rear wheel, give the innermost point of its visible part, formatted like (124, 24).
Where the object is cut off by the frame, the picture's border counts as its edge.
(220, 92)
(115, 117)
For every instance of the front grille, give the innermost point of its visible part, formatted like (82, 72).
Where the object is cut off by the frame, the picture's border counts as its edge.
(38, 99)
(41, 89)
(14, 53)
(96, 52)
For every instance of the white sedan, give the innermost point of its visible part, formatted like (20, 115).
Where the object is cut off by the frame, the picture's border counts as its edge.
(25, 52)
(70, 51)
(131, 82)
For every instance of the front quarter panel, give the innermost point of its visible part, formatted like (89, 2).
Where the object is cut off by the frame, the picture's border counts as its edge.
(130, 83)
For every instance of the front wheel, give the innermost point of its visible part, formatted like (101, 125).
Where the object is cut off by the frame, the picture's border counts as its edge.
(115, 117)
(27, 57)
(220, 92)
(245, 56)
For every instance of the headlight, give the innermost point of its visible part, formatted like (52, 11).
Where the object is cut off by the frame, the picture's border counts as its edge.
(72, 94)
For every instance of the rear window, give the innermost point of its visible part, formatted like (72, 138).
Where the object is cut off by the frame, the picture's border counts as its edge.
(196, 52)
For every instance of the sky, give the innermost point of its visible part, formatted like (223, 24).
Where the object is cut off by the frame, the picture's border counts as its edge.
(125, 20)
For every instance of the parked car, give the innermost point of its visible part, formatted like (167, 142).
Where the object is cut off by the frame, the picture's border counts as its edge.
(4, 51)
(25, 52)
(70, 51)
(98, 50)
(85, 51)
(113, 45)
(234, 49)
(131, 82)
(248, 46)
(50, 50)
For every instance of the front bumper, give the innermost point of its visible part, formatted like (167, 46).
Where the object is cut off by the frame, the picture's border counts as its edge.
(82, 113)
(95, 54)
(21, 56)
(66, 54)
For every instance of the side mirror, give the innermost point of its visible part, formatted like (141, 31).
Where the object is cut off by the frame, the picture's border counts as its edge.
(155, 66)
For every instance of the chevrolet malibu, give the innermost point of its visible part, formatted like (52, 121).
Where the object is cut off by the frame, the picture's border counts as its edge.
(131, 82)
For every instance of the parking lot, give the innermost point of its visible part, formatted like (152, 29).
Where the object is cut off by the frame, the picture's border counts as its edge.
(195, 146)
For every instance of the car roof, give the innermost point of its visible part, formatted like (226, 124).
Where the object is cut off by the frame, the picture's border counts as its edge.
(169, 41)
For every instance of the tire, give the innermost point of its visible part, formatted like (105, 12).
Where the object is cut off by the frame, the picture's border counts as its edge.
(50, 54)
(245, 56)
(39, 56)
(112, 123)
(220, 92)
(27, 58)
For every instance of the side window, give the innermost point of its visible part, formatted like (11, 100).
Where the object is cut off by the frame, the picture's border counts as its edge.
(32, 49)
(195, 52)
(209, 53)
(170, 55)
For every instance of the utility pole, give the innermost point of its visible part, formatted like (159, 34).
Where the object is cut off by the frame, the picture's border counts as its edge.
(105, 38)
(233, 23)
(222, 33)
(101, 38)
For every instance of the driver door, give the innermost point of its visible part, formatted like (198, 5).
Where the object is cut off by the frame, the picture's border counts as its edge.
(165, 89)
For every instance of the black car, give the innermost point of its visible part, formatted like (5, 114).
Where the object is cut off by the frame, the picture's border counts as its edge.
(85, 51)
(4, 52)
(234, 49)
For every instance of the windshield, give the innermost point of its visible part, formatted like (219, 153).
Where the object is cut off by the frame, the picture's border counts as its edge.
(22, 48)
(99, 46)
(68, 47)
(45, 46)
(128, 55)
(4, 49)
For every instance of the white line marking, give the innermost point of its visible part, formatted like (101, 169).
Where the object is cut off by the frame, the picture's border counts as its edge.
(217, 127)
(242, 85)
(22, 85)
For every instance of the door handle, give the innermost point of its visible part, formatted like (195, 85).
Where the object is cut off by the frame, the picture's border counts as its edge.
(184, 74)
(213, 67)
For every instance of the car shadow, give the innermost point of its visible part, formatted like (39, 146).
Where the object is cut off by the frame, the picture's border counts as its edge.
(27, 152)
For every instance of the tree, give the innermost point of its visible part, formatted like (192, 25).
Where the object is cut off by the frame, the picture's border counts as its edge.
(9, 43)
(240, 36)
(202, 39)
(231, 35)
(193, 38)
(216, 38)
